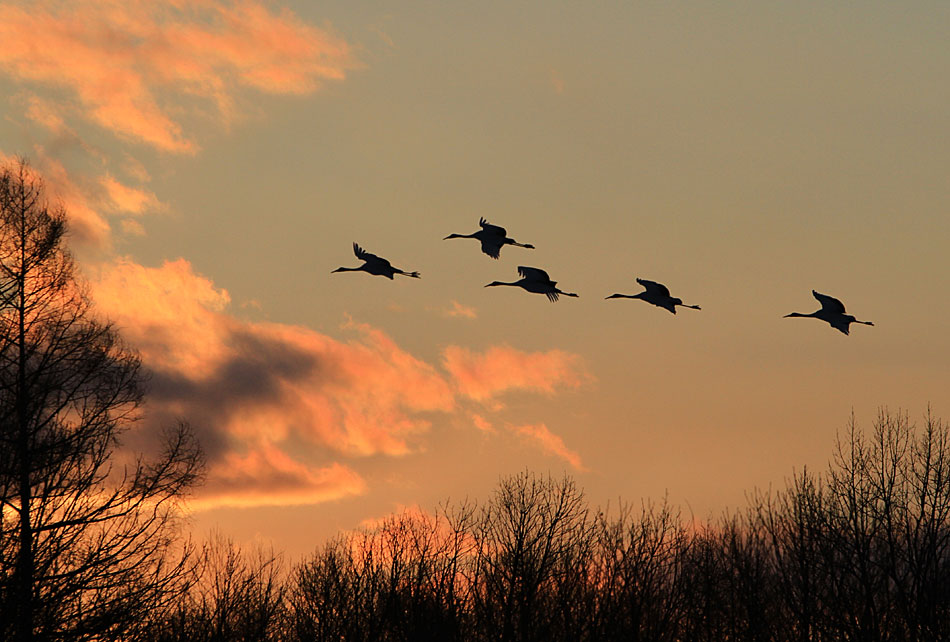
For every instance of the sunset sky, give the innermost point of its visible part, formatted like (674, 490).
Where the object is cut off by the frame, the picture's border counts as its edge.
(218, 159)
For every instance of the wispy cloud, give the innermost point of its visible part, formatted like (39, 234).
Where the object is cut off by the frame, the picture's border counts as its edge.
(252, 388)
(459, 311)
(82, 204)
(131, 65)
(502, 368)
(557, 81)
(245, 379)
(551, 443)
(127, 199)
(267, 476)
(46, 114)
(482, 424)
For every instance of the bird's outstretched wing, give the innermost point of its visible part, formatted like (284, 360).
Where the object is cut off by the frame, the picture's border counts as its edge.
(654, 287)
(829, 303)
(841, 324)
(492, 229)
(363, 255)
(491, 248)
(534, 274)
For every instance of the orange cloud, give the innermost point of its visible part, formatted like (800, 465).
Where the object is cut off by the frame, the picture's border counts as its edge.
(250, 379)
(169, 314)
(85, 201)
(256, 390)
(551, 443)
(460, 311)
(123, 198)
(412, 512)
(45, 113)
(85, 223)
(481, 423)
(498, 369)
(128, 62)
(269, 477)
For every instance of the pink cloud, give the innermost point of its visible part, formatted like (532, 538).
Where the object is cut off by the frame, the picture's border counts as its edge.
(481, 423)
(86, 201)
(256, 391)
(359, 397)
(45, 114)
(86, 225)
(501, 368)
(267, 476)
(170, 314)
(130, 64)
(458, 310)
(132, 228)
(123, 198)
(551, 443)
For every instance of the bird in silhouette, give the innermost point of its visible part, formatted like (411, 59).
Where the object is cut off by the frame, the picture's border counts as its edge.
(657, 294)
(374, 265)
(537, 281)
(492, 237)
(832, 311)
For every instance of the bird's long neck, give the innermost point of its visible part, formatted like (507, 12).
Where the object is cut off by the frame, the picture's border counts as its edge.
(799, 314)
(460, 236)
(624, 296)
(517, 244)
(561, 292)
(518, 283)
(349, 269)
(691, 307)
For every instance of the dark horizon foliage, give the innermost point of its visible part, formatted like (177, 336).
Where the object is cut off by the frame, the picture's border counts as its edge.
(860, 552)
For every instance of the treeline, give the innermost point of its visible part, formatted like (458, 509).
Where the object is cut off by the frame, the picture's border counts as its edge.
(861, 552)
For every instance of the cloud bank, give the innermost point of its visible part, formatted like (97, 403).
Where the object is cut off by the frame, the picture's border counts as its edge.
(131, 65)
(257, 392)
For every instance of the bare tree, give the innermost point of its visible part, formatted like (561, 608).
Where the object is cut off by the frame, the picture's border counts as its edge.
(406, 579)
(860, 553)
(534, 552)
(89, 547)
(236, 596)
(639, 589)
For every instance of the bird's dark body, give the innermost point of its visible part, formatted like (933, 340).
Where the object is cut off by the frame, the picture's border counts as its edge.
(375, 265)
(491, 237)
(656, 294)
(537, 281)
(832, 312)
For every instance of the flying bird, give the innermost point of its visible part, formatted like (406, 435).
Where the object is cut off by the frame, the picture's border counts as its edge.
(537, 281)
(832, 311)
(374, 265)
(657, 294)
(492, 237)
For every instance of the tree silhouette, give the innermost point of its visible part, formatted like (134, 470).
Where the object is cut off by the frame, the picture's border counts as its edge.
(861, 552)
(87, 545)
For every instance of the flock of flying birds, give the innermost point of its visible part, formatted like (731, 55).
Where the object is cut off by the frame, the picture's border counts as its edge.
(494, 237)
